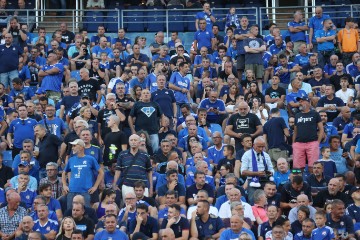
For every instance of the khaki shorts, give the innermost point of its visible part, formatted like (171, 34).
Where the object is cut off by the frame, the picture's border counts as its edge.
(258, 70)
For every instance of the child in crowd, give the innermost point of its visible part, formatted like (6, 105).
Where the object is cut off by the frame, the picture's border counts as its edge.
(329, 164)
(322, 232)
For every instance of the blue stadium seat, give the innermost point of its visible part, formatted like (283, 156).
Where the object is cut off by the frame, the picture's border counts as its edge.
(93, 19)
(220, 14)
(136, 18)
(112, 21)
(341, 14)
(216, 128)
(190, 22)
(11, 4)
(7, 159)
(75, 74)
(176, 21)
(156, 20)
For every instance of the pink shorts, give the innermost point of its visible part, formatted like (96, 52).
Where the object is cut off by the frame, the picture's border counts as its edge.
(303, 151)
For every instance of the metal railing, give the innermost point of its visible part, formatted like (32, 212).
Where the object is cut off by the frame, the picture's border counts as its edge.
(338, 13)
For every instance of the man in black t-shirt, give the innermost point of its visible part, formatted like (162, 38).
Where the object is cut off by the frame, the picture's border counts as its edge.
(89, 85)
(85, 224)
(243, 122)
(308, 132)
(329, 103)
(275, 95)
(145, 115)
(111, 108)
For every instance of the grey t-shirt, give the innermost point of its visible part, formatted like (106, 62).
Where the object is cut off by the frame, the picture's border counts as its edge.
(253, 58)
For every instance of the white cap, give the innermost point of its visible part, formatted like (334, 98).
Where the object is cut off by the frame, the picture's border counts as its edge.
(78, 142)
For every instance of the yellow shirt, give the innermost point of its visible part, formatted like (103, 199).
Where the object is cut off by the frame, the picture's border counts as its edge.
(348, 39)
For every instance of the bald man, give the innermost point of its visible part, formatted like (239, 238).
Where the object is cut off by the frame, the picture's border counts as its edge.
(315, 23)
(332, 192)
(345, 118)
(11, 216)
(243, 122)
(167, 234)
(281, 176)
(301, 200)
(25, 227)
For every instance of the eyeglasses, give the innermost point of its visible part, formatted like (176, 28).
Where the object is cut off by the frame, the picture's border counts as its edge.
(295, 171)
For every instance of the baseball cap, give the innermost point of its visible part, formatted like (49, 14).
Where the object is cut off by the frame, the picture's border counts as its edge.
(304, 98)
(23, 163)
(40, 91)
(354, 189)
(78, 142)
(85, 95)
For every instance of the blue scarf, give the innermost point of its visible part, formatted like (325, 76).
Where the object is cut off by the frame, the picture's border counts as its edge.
(254, 182)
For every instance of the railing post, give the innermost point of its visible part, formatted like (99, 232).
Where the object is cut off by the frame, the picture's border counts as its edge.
(77, 16)
(273, 10)
(74, 18)
(167, 23)
(27, 19)
(260, 19)
(118, 18)
(122, 18)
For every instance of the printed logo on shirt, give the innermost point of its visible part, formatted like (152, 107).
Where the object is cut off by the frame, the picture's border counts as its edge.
(304, 120)
(242, 123)
(148, 111)
(254, 44)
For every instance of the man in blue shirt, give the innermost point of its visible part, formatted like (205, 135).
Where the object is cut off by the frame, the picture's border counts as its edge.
(215, 107)
(297, 29)
(340, 222)
(316, 23)
(293, 104)
(206, 15)
(10, 55)
(96, 38)
(325, 38)
(203, 38)
(143, 223)
(52, 75)
(110, 231)
(241, 34)
(236, 228)
(302, 58)
(48, 227)
(284, 70)
(19, 88)
(20, 129)
(180, 84)
(278, 46)
(81, 182)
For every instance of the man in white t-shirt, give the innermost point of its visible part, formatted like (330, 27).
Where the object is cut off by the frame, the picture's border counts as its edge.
(346, 94)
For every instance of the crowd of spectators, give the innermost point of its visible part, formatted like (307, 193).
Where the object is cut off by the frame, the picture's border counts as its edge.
(241, 136)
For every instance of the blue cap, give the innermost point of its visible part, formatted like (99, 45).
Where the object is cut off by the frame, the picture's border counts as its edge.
(24, 163)
(40, 91)
(304, 98)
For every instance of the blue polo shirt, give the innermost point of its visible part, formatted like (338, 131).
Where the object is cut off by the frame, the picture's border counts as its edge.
(327, 45)
(297, 36)
(198, 59)
(182, 82)
(323, 233)
(125, 41)
(239, 43)
(275, 49)
(53, 82)
(22, 129)
(285, 77)
(98, 50)
(203, 37)
(302, 60)
(216, 155)
(163, 213)
(203, 15)
(281, 178)
(135, 81)
(151, 83)
(26, 91)
(117, 234)
(164, 98)
(199, 71)
(9, 57)
(207, 104)
(49, 226)
(229, 234)
(96, 39)
(291, 97)
(317, 24)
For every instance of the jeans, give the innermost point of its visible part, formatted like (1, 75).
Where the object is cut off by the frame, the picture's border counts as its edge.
(7, 77)
(154, 141)
(71, 195)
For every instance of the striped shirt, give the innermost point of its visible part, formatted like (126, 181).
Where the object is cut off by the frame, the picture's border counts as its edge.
(139, 169)
(8, 225)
